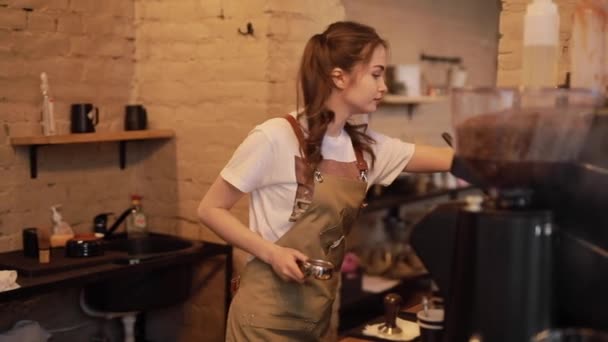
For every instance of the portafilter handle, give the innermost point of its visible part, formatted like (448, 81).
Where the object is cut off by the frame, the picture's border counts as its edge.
(392, 305)
(447, 137)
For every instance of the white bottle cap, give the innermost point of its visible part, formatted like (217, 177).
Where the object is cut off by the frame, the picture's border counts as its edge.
(541, 23)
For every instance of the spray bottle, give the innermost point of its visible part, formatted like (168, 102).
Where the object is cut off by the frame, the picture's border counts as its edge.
(541, 44)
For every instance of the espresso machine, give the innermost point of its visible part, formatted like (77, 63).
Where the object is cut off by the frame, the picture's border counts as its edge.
(529, 258)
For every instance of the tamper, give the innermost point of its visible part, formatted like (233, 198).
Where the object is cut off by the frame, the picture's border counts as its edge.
(392, 305)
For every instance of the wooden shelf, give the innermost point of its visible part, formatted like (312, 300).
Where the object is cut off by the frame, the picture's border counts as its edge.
(402, 99)
(33, 142)
(92, 137)
(411, 101)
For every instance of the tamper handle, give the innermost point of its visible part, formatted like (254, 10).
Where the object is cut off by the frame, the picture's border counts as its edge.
(392, 305)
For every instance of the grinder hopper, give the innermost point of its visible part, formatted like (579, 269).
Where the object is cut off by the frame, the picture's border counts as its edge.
(509, 138)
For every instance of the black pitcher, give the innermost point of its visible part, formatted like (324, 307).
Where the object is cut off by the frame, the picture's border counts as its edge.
(136, 117)
(84, 117)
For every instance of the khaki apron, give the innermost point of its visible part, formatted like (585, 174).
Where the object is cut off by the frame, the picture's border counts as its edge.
(267, 308)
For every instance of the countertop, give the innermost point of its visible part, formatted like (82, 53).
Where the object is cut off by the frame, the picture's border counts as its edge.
(408, 312)
(43, 283)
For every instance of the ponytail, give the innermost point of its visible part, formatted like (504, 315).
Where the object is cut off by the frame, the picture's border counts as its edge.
(343, 44)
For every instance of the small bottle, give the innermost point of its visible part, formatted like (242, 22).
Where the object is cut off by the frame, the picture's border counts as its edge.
(136, 222)
(48, 116)
(541, 44)
(44, 247)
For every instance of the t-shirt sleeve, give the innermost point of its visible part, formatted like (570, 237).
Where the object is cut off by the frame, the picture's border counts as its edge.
(248, 169)
(392, 155)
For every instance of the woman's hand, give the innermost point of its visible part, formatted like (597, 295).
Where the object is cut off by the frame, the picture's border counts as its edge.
(284, 263)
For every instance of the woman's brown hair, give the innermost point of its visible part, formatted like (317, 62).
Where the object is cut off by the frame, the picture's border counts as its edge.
(343, 45)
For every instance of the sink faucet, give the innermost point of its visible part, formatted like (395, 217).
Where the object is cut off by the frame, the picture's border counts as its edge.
(100, 222)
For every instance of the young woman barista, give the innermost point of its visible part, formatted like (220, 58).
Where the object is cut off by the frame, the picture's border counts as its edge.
(307, 174)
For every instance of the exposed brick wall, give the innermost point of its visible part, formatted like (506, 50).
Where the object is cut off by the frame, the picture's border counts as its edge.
(511, 41)
(86, 47)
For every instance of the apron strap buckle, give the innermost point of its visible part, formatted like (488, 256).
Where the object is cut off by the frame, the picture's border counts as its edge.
(318, 176)
(363, 175)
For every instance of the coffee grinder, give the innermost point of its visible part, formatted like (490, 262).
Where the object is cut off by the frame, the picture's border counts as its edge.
(531, 255)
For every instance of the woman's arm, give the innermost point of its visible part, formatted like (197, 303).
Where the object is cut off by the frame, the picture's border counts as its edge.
(430, 159)
(214, 212)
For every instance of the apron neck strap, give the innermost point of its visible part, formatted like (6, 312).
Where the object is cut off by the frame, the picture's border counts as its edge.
(298, 131)
(361, 163)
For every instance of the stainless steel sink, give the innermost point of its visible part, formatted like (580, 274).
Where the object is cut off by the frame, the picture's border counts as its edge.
(148, 244)
(145, 289)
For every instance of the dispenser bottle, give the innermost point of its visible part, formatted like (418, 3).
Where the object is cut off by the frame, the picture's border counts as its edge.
(136, 222)
(541, 44)
(60, 227)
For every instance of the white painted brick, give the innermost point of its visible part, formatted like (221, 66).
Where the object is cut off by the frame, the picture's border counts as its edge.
(510, 45)
(12, 68)
(37, 46)
(53, 5)
(87, 6)
(118, 8)
(6, 43)
(511, 25)
(509, 62)
(106, 46)
(509, 78)
(112, 71)
(21, 129)
(171, 51)
(39, 21)
(195, 93)
(7, 154)
(75, 93)
(114, 92)
(70, 23)
(3, 132)
(256, 48)
(184, 10)
(287, 28)
(174, 32)
(13, 19)
(25, 89)
(57, 68)
(514, 6)
(235, 9)
(13, 112)
(10, 242)
(106, 25)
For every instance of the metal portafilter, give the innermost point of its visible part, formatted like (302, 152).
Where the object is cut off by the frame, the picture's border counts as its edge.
(317, 268)
(392, 305)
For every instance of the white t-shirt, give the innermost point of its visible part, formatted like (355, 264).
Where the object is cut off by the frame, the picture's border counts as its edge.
(263, 165)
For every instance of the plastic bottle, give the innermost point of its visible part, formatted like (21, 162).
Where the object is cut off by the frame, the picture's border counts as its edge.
(541, 44)
(48, 116)
(136, 222)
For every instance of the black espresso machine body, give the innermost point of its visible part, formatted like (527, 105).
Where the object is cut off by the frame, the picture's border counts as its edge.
(508, 273)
